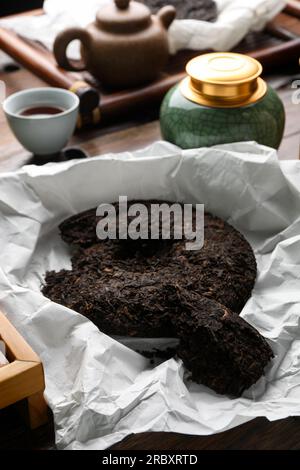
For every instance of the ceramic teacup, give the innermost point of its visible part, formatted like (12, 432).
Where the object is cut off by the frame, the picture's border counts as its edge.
(42, 134)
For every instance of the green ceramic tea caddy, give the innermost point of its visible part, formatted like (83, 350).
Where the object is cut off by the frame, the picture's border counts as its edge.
(223, 99)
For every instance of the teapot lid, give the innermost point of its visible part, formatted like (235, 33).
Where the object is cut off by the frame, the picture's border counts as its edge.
(122, 16)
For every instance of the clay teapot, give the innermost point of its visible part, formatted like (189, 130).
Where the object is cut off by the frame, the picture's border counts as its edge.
(126, 46)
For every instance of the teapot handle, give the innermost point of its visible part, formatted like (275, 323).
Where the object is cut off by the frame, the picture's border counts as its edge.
(166, 15)
(61, 43)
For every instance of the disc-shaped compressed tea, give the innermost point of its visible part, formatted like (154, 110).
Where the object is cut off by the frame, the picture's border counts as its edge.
(205, 10)
(157, 288)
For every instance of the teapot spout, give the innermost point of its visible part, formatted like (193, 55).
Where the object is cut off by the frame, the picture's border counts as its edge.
(166, 15)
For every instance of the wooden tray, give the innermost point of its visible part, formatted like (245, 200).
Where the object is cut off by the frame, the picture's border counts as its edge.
(23, 377)
(277, 46)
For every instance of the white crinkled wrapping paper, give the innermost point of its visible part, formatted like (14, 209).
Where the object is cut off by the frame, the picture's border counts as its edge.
(99, 390)
(235, 19)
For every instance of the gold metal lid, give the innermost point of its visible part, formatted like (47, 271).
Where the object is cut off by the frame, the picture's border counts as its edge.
(223, 80)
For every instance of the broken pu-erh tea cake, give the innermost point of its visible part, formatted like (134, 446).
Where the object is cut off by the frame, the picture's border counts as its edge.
(158, 288)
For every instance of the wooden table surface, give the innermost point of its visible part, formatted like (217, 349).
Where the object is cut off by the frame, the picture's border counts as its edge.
(141, 130)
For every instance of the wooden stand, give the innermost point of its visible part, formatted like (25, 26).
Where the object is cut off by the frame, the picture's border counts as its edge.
(23, 377)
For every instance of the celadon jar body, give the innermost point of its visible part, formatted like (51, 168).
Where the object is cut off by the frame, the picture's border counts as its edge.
(191, 125)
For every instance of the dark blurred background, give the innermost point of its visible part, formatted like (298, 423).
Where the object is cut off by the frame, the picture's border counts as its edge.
(8, 7)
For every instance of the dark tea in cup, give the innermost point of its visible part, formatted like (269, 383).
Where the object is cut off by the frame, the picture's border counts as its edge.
(41, 111)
